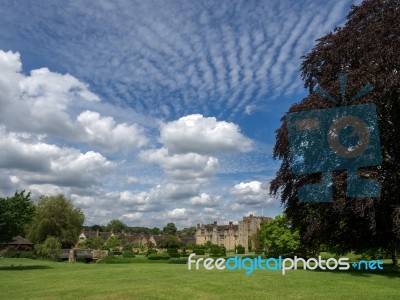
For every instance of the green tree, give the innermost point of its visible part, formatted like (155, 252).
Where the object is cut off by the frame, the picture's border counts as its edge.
(15, 213)
(189, 231)
(94, 242)
(170, 229)
(169, 241)
(97, 227)
(51, 248)
(112, 242)
(55, 216)
(116, 226)
(278, 237)
(155, 231)
(366, 48)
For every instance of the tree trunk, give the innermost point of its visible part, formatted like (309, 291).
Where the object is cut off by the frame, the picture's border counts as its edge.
(395, 262)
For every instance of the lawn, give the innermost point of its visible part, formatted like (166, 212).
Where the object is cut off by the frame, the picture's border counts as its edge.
(36, 279)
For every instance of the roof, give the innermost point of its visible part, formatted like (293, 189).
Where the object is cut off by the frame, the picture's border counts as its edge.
(93, 233)
(187, 239)
(157, 238)
(19, 240)
(210, 227)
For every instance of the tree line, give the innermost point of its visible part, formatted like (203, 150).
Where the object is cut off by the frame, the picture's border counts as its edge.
(55, 216)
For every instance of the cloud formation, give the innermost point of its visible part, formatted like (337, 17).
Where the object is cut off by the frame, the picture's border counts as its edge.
(45, 103)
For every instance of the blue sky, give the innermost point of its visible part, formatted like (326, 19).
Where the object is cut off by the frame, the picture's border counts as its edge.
(152, 111)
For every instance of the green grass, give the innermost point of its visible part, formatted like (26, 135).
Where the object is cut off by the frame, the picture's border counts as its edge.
(35, 279)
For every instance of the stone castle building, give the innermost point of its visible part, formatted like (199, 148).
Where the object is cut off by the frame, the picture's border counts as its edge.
(230, 235)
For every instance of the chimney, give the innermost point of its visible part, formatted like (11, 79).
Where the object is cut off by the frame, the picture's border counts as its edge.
(198, 225)
(97, 232)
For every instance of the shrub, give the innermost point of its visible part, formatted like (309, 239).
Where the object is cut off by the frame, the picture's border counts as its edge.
(161, 256)
(240, 249)
(27, 254)
(128, 253)
(250, 256)
(11, 254)
(151, 251)
(116, 260)
(217, 251)
(259, 251)
(174, 255)
(199, 251)
(51, 248)
(178, 261)
(172, 250)
(127, 247)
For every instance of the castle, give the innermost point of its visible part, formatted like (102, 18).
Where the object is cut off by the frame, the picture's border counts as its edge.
(230, 235)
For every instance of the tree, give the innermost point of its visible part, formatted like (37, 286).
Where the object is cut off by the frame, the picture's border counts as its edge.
(55, 216)
(155, 231)
(366, 48)
(97, 227)
(15, 213)
(51, 248)
(190, 231)
(94, 242)
(116, 226)
(112, 242)
(170, 229)
(277, 238)
(169, 241)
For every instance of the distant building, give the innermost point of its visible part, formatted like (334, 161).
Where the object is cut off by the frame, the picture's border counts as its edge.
(18, 243)
(230, 235)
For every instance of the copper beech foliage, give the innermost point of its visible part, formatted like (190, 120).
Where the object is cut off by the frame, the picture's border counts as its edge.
(367, 47)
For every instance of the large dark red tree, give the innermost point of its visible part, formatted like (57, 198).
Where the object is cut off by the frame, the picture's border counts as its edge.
(367, 47)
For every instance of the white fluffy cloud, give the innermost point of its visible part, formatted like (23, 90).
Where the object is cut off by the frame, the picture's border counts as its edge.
(104, 131)
(45, 102)
(204, 200)
(133, 216)
(36, 162)
(182, 167)
(198, 134)
(178, 214)
(251, 193)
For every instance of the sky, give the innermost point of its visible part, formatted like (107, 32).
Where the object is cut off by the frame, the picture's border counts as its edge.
(152, 111)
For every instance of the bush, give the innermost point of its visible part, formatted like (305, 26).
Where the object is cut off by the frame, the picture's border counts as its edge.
(161, 256)
(127, 247)
(259, 251)
(116, 260)
(128, 253)
(172, 250)
(199, 251)
(250, 256)
(151, 251)
(11, 254)
(217, 251)
(240, 249)
(51, 248)
(27, 254)
(174, 255)
(182, 261)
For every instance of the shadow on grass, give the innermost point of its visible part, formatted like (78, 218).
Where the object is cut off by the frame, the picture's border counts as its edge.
(388, 271)
(22, 268)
